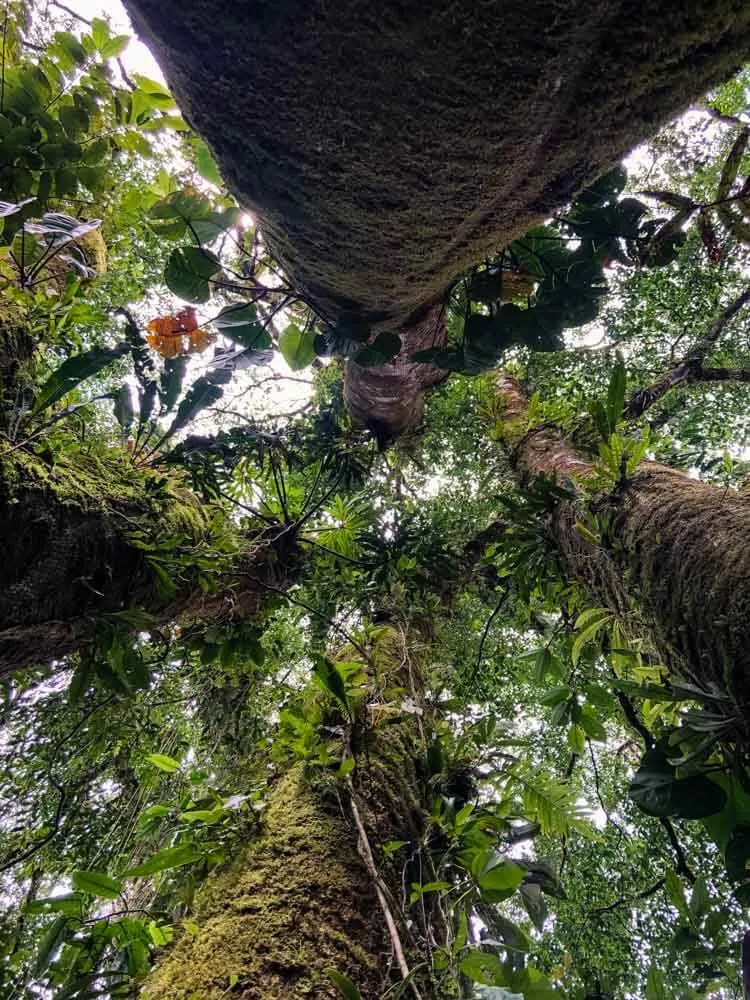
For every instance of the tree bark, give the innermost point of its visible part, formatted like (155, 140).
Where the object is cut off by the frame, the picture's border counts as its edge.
(386, 148)
(389, 399)
(674, 549)
(76, 538)
(310, 894)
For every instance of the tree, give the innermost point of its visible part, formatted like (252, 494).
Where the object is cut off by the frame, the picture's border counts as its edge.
(304, 710)
(464, 169)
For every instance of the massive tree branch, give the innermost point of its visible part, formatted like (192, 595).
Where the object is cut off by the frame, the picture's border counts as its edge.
(386, 148)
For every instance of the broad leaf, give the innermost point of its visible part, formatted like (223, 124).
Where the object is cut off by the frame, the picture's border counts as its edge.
(74, 371)
(240, 323)
(97, 884)
(345, 986)
(163, 762)
(170, 857)
(659, 792)
(188, 272)
(297, 347)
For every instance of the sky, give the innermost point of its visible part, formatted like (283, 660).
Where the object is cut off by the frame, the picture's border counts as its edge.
(136, 57)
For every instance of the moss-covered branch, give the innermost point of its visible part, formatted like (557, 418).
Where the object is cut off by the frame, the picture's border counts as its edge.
(386, 148)
(90, 534)
(674, 548)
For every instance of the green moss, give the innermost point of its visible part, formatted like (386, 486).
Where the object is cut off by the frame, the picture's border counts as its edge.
(76, 536)
(300, 900)
(684, 547)
(103, 482)
(295, 903)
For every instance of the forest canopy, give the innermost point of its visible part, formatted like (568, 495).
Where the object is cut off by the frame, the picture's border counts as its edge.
(302, 701)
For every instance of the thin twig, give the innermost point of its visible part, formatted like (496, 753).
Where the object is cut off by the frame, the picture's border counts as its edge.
(313, 611)
(643, 894)
(682, 867)
(20, 856)
(365, 852)
(495, 613)
(68, 10)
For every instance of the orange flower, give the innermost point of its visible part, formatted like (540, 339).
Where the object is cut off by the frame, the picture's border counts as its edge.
(172, 336)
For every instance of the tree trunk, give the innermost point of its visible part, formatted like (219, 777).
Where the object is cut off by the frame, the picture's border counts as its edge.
(311, 893)
(386, 148)
(76, 537)
(389, 399)
(673, 548)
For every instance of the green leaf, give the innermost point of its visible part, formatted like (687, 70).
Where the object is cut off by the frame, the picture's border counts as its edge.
(585, 636)
(206, 164)
(616, 393)
(239, 323)
(114, 46)
(533, 901)
(170, 857)
(482, 967)
(394, 845)
(297, 347)
(188, 272)
(74, 371)
(657, 791)
(577, 740)
(97, 884)
(207, 816)
(675, 893)
(655, 986)
(71, 904)
(382, 350)
(329, 678)
(175, 122)
(170, 382)
(51, 941)
(155, 91)
(591, 725)
(700, 901)
(512, 935)
(202, 393)
(345, 986)
(163, 762)
(503, 877)
(346, 767)
(418, 890)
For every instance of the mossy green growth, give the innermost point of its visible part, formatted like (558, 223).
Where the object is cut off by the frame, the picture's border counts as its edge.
(101, 482)
(88, 532)
(296, 903)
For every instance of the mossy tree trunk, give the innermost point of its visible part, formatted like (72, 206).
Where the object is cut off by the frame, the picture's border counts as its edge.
(77, 539)
(673, 550)
(315, 891)
(387, 148)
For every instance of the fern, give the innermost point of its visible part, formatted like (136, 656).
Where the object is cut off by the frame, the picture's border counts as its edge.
(554, 805)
